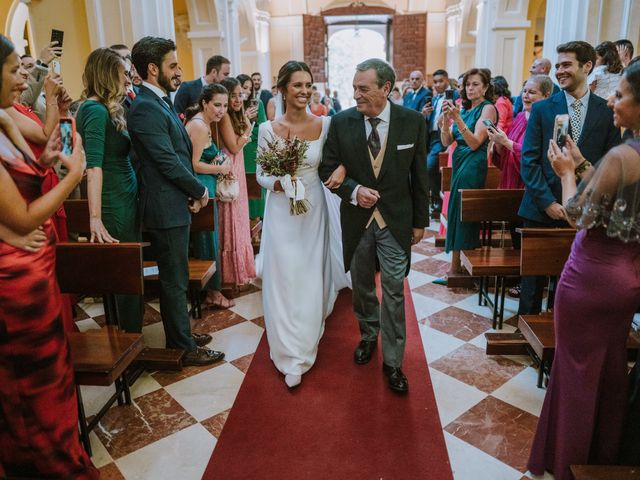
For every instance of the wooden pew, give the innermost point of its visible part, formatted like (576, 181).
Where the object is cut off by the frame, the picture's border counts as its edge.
(492, 181)
(101, 357)
(200, 271)
(487, 206)
(443, 159)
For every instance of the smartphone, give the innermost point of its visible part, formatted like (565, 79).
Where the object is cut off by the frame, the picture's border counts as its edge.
(55, 67)
(429, 101)
(253, 102)
(67, 134)
(57, 36)
(561, 129)
(489, 124)
(448, 95)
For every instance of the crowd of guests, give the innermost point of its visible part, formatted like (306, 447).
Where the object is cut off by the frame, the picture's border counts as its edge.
(591, 182)
(158, 149)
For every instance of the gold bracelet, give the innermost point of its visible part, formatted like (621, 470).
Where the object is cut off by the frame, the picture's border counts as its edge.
(464, 130)
(582, 167)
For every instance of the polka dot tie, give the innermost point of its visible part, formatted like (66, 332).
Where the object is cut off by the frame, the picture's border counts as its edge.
(576, 120)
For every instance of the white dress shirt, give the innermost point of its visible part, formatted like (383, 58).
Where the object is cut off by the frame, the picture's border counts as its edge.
(157, 90)
(383, 131)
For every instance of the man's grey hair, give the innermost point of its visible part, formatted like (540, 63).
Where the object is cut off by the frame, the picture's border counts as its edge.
(384, 71)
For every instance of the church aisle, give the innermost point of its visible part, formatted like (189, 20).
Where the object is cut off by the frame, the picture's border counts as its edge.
(488, 405)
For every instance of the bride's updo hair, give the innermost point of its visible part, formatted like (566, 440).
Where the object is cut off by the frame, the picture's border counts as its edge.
(284, 76)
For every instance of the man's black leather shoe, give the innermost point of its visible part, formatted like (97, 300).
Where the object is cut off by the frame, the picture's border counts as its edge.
(201, 356)
(201, 339)
(397, 381)
(363, 353)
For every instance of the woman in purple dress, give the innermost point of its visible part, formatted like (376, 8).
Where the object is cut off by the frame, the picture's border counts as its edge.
(597, 295)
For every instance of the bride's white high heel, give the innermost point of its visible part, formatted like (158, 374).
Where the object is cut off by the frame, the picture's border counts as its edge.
(292, 380)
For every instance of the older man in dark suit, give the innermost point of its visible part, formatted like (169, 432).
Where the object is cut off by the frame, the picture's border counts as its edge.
(591, 126)
(384, 207)
(168, 185)
(216, 70)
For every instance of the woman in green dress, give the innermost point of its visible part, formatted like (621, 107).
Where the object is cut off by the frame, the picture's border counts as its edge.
(112, 188)
(256, 205)
(470, 156)
(208, 162)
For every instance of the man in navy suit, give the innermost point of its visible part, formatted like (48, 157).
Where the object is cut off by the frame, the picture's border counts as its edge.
(168, 186)
(431, 111)
(217, 69)
(591, 125)
(415, 100)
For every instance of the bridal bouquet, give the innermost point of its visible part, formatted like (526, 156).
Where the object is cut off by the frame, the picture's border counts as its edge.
(281, 158)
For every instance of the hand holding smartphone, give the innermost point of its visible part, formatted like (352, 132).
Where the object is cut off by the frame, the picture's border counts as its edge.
(561, 129)
(489, 124)
(67, 134)
(448, 95)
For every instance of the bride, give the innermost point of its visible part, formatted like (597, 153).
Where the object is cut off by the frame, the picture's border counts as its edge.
(300, 255)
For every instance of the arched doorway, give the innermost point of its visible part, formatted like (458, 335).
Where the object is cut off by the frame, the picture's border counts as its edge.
(347, 47)
(18, 28)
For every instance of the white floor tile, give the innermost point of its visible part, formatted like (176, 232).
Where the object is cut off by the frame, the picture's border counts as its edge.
(426, 306)
(453, 396)
(143, 385)
(416, 257)
(470, 304)
(436, 343)
(92, 309)
(237, 341)
(100, 456)
(249, 306)
(521, 391)
(153, 335)
(431, 240)
(546, 476)
(87, 324)
(94, 398)
(444, 257)
(155, 305)
(469, 463)
(417, 279)
(208, 393)
(183, 455)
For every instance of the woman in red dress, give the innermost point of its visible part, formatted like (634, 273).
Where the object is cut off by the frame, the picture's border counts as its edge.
(38, 410)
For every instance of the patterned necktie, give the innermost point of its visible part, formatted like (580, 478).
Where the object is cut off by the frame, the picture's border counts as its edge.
(576, 120)
(374, 139)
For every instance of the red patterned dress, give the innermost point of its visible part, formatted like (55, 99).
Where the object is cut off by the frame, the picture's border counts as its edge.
(38, 410)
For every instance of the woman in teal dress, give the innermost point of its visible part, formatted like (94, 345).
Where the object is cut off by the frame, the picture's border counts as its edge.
(470, 156)
(112, 188)
(256, 205)
(208, 163)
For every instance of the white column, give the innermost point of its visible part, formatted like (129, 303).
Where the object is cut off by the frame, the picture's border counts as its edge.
(263, 46)
(436, 40)
(501, 32)
(127, 21)
(564, 20)
(228, 12)
(454, 34)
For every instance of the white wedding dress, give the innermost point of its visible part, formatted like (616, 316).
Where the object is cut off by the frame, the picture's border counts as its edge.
(300, 263)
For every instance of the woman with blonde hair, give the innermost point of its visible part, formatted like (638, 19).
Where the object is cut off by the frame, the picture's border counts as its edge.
(112, 188)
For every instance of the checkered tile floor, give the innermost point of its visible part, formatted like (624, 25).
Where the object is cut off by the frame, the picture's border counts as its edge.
(488, 405)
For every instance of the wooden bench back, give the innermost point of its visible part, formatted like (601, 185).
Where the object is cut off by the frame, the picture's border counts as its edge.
(544, 251)
(78, 217)
(492, 181)
(490, 205)
(99, 268)
(443, 159)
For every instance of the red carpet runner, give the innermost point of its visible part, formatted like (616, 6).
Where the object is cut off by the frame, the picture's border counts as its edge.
(343, 422)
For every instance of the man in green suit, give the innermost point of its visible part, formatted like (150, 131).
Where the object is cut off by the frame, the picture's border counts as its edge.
(167, 189)
(384, 210)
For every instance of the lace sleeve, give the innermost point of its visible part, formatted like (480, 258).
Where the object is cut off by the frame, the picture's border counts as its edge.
(611, 197)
